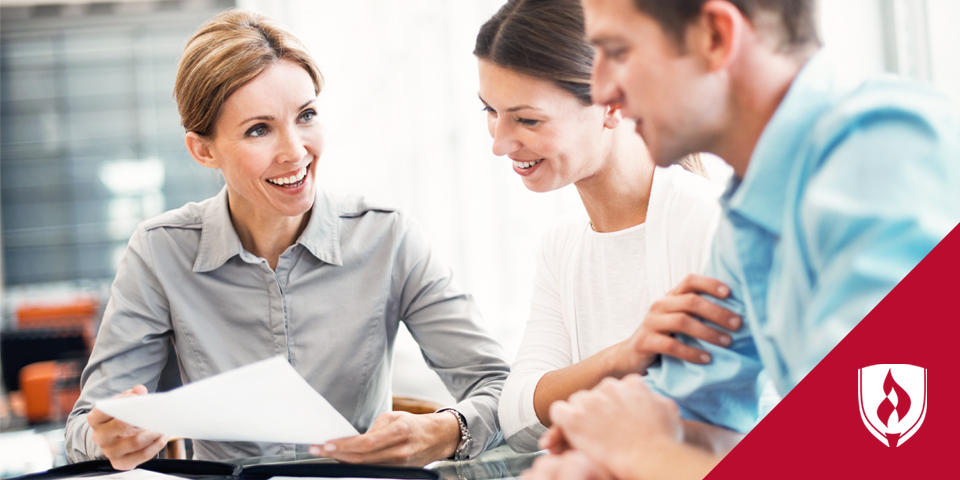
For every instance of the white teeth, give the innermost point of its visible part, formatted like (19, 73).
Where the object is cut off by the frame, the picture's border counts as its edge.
(526, 165)
(291, 179)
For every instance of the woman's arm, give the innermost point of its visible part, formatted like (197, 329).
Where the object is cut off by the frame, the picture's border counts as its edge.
(675, 313)
(446, 324)
(131, 348)
(545, 347)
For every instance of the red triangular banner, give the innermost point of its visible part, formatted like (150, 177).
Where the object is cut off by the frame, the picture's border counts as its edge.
(817, 432)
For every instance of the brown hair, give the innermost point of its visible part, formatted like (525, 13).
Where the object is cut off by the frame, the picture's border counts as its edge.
(796, 18)
(541, 38)
(545, 39)
(228, 51)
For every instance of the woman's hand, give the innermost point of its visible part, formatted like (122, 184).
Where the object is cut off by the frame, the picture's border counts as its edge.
(398, 438)
(676, 313)
(124, 445)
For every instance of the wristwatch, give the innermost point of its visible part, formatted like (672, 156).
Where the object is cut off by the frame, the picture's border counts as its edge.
(465, 439)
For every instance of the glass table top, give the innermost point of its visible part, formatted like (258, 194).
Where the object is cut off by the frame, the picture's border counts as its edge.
(499, 463)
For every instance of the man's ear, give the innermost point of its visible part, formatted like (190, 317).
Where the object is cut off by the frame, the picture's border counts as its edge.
(718, 34)
(612, 116)
(200, 150)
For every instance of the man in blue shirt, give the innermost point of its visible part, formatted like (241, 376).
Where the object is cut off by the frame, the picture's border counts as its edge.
(840, 188)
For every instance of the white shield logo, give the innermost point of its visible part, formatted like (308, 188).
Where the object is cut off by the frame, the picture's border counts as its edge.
(893, 401)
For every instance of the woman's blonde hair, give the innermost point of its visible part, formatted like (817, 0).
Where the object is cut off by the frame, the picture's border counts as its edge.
(228, 51)
(692, 163)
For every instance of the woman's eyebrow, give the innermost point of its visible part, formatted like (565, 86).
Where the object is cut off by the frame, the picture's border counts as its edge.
(512, 109)
(269, 117)
(260, 117)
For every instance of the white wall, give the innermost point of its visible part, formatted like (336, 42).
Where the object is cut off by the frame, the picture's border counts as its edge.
(852, 30)
(943, 21)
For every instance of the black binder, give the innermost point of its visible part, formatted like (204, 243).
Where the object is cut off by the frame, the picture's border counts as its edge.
(203, 470)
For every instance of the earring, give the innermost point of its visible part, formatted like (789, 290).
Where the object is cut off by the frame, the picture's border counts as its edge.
(612, 117)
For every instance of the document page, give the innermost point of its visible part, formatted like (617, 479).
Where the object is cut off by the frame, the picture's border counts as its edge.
(136, 474)
(266, 401)
(328, 478)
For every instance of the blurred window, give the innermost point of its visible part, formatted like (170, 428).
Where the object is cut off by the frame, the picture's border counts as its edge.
(91, 140)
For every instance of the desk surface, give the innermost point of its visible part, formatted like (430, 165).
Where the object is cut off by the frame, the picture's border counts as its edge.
(499, 463)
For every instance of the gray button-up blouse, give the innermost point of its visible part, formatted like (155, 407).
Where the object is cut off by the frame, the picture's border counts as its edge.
(332, 308)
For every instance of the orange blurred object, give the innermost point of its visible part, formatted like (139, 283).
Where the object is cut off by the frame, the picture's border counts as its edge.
(48, 390)
(77, 313)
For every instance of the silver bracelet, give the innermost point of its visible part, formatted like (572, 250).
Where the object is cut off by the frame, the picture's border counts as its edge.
(465, 439)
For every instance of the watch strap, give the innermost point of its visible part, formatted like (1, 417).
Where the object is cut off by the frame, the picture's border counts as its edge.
(465, 439)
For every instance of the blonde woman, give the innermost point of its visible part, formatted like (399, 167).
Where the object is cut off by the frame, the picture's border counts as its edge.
(275, 266)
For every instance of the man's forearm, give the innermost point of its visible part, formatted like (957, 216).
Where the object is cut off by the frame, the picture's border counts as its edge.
(709, 438)
(671, 462)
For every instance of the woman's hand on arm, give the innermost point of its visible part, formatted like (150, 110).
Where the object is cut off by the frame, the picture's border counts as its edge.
(677, 312)
(124, 445)
(398, 438)
(674, 313)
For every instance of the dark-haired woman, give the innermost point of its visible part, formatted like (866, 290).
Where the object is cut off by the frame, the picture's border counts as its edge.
(600, 274)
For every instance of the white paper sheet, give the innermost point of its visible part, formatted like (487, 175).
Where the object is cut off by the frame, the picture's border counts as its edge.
(136, 474)
(329, 478)
(266, 401)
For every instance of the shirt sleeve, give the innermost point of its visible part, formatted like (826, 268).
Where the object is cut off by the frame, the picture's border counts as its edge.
(727, 391)
(545, 347)
(447, 325)
(131, 346)
(883, 198)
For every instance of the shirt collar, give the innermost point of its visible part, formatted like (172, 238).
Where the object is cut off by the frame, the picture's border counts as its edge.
(322, 235)
(219, 241)
(761, 194)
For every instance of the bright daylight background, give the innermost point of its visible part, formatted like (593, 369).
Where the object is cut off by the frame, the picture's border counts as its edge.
(91, 143)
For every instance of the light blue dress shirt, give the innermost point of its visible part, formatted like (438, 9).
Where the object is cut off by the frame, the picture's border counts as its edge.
(850, 186)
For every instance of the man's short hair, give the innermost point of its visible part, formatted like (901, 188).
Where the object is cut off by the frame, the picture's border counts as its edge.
(796, 18)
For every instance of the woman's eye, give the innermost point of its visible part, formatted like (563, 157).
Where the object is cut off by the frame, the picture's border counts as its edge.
(489, 110)
(528, 122)
(258, 130)
(307, 116)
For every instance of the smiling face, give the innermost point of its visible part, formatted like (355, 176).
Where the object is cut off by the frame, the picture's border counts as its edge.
(267, 141)
(551, 137)
(677, 102)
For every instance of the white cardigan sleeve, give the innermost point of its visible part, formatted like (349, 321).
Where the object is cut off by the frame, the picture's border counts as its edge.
(546, 346)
